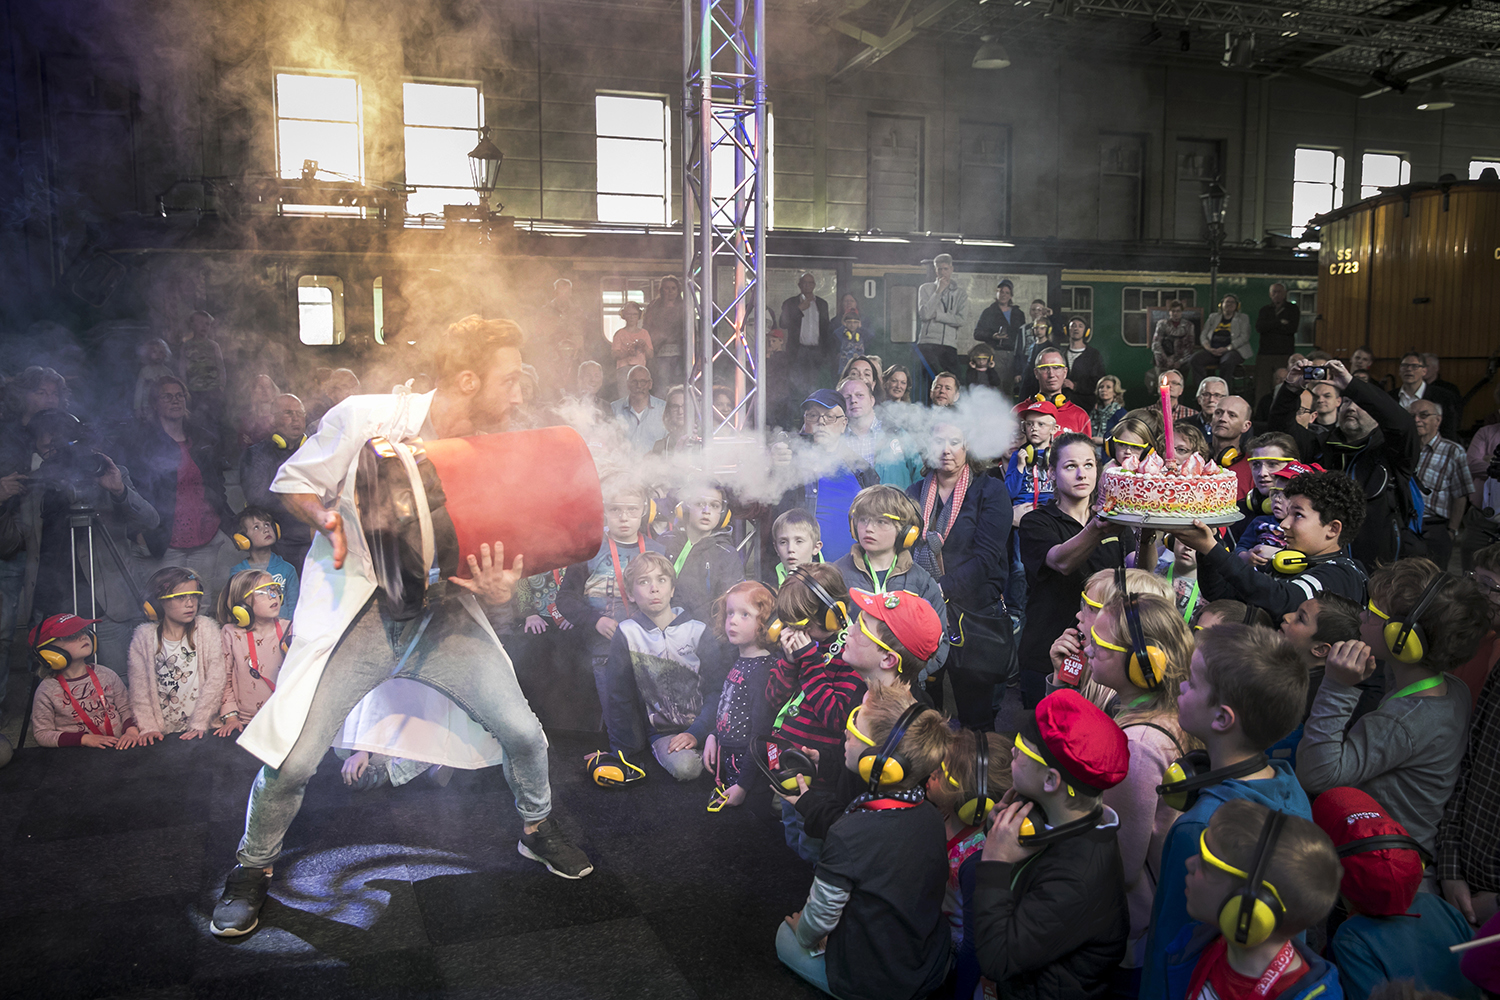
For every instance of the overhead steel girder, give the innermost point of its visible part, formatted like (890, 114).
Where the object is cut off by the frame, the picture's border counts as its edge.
(877, 47)
(1270, 18)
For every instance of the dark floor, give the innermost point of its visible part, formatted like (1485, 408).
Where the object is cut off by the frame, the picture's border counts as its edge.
(110, 863)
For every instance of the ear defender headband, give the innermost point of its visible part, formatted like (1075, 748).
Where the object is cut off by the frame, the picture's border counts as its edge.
(1147, 664)
(240, 613)
(789, 762)
(904, 539)
(283, 444)
(1404, 636)
(1381, 842)
(885, 765)
(680, 511)
(1191, 772)
(57, 659)
(153, 608)
(1249, 505)
(1251, 913)
(242, 540)
(835, 613)
(1060, 400)
(1228, 456)
(1032, 835)
(976, 810)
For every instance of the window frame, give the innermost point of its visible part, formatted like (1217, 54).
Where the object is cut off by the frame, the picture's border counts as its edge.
(1403, 172)
(359, 132)
(1482, 163)
(666, 159)
(1164, 294)
(335, 284)
(430, 220)
(1067, 313)
(1337, 184)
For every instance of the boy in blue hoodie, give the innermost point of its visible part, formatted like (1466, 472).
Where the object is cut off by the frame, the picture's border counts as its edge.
(1246, 690)
(1225, 956)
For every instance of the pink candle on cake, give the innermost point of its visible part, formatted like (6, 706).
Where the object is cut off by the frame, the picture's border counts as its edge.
(1166, 417)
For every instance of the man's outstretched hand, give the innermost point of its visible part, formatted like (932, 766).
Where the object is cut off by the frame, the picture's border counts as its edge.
(489, 580)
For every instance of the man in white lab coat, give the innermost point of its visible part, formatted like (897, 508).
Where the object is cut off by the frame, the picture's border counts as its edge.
(347, 644)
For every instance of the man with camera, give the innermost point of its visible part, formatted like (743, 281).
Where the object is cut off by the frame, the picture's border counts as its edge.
(1375, 442)
(63, 507)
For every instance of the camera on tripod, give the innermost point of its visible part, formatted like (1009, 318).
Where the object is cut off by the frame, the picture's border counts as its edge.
(71, 466)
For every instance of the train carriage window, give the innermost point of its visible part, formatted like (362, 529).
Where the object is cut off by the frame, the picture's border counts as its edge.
(442, 121)
(1477, 167)
(1317, 184)
(1078, 300)
(1140, 307)
(379, 305)
(1382, 170)
(320, 309)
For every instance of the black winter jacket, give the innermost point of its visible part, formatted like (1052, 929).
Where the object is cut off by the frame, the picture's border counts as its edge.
(1054, 926)
(153, 458)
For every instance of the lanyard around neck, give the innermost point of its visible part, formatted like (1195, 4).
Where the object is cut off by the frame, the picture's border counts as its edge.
(687, 547)
(83, 716)
(614, 554)
(255, 660)
(879, 581)
(1425, 684)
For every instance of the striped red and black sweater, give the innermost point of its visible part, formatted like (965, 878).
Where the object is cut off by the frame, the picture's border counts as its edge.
(829, 689)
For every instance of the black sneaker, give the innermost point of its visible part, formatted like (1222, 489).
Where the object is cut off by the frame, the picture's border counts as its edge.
(552, 848)
(238, 910)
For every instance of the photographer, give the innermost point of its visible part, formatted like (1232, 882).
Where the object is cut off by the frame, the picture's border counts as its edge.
(177, 471)
(69, 480)
(1374, 441)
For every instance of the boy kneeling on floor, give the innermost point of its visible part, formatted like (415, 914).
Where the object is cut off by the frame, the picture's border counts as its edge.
(873, 926)
(1261, 878)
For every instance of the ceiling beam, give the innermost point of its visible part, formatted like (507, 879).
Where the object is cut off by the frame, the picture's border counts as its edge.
(1420, 73)
(877, 47)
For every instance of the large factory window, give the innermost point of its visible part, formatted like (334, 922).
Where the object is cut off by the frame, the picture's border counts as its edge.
(320, 309)
(632, 158)
(318, 134)
(442, 123)
(1382, 170)
(1317, 184)
(1477, 167)
(1078, 300)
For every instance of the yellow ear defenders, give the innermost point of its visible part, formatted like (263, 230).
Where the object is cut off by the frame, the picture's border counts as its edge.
(1060, 400)
(680, 512)
(884, 765)
(1291, 562)
(242, 541)
(153, 607)
(835, 613)
(1404, 636)
(1147, 664)
(241, 614)
(974, 811)
(1193, 771)
(282, 443)
(56, 659)
(782, 764)
(1228, 456)
(1253, 503)
(1252, 912)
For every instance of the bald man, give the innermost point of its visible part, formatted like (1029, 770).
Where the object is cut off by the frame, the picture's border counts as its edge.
(1230, 425)
(259, 464)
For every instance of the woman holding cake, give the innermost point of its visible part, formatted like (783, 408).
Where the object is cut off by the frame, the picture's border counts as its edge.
(1062, 542)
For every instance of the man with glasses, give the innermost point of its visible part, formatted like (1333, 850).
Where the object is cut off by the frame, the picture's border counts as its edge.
(1443, 469)
(674, 419)
(1210, 391)
(641, 413)
(1051, 371)
(1414, 386)
(832, 473)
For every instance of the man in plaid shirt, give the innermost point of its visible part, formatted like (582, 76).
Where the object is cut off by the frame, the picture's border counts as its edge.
(1443, 469)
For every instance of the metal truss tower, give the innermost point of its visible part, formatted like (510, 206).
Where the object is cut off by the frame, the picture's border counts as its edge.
(724, 214)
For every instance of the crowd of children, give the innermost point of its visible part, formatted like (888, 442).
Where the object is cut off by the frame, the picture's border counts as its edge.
(1245, 774)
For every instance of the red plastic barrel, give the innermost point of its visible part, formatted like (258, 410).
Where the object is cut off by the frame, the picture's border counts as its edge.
(537, 492)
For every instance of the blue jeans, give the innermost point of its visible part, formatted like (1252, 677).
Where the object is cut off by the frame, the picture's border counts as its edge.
(809, 849)
(813, 968)
(454, 656)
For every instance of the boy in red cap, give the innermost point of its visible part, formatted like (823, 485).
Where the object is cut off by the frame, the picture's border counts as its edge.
(1393, 931)
(894, 636)
(78, 703)
(1050, 915)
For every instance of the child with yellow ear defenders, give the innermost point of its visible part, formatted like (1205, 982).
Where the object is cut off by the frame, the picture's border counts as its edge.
(1421, 623)
(258, 532)
(1259, 880)
(972, 777)
(702, 551)
(873, 924)
(1146, 709)
(177, 672)
(78, 702)
(255, 641)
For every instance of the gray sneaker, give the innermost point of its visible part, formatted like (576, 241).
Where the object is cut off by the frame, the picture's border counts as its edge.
(552, 848)
(238, 909)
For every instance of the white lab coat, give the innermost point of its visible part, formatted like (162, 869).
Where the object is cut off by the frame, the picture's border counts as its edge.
(330, 599)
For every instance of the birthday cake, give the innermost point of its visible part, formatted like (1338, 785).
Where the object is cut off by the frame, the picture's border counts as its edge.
(1149, 490)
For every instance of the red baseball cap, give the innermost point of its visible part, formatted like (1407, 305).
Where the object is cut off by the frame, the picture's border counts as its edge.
(1043, 407)
(1077, 737)
(1378, 880)
(1295, 469)
(59, 627)
(910, 618)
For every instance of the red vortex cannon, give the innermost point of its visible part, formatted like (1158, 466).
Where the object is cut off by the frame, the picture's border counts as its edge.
(536, 492)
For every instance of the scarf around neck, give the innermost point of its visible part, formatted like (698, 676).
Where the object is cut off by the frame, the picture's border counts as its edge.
(929, 502)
